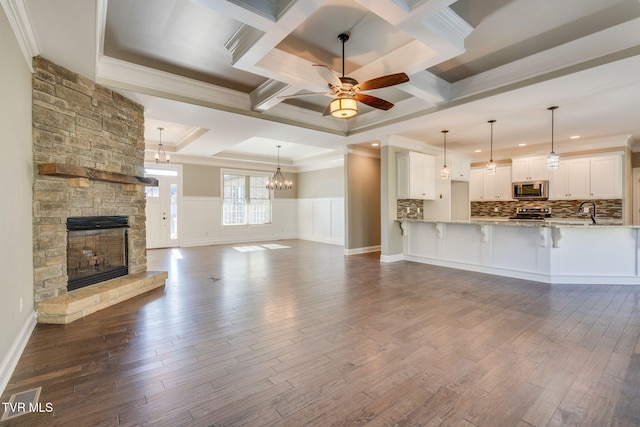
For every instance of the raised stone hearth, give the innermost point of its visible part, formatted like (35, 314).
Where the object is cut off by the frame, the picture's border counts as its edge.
(82, 302)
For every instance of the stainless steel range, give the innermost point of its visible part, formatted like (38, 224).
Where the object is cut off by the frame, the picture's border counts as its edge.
(532, 214)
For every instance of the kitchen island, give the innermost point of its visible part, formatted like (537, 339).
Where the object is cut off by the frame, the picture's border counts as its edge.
(557, 252)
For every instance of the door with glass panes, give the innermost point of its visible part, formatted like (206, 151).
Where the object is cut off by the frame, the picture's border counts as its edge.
(162, 212)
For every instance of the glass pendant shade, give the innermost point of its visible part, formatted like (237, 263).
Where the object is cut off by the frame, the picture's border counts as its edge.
(343, 107)
(491, 166)
(445, 172)
(553, 161)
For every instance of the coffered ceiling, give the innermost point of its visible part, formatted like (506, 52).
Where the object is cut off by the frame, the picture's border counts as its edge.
(214, 73)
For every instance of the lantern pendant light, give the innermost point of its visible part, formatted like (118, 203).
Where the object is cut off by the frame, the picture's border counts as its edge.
(491, 166)
(553, 161)
(445, 172)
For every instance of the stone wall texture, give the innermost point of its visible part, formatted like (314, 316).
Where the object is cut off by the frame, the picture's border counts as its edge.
(78, 122)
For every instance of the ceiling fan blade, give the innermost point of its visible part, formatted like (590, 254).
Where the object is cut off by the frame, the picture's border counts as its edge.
(328, 75)
(373, 101)
(298, 95)
(384, 81)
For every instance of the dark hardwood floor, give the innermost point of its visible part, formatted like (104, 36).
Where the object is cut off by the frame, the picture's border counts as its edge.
(306, 336)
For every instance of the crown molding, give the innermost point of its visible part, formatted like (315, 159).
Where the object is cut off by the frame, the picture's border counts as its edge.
(20, 22)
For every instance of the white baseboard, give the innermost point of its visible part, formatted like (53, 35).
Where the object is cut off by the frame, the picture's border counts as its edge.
(10, 360)
(322, 239)
(392, 258)
(365, 250)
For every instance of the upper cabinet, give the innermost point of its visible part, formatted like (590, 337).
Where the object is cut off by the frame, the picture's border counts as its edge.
(596, 177)
(460, 168)
(531, 168)
(416, 174)
(484, 187)
(606, 177)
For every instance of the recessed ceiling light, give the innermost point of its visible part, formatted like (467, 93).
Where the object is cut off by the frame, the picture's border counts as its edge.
(575, 136)
(521, 144)
(375, 144)
(478, 151)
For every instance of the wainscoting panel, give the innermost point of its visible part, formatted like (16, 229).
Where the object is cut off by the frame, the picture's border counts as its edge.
(321, 220)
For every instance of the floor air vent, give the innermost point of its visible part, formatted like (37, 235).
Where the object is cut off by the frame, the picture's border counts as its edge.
(21, 403)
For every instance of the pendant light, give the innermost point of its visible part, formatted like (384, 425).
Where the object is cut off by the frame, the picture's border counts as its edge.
(553, 161)
(277, 182)
(445, 173)
(161, 155)
(491, 166)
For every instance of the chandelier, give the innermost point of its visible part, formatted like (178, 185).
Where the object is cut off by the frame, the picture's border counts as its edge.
(161, 155)
(277, 182)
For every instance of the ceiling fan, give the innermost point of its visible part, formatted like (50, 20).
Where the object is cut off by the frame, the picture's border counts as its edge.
(348, 91)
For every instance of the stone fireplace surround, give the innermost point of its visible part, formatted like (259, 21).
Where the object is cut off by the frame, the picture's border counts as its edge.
(78, 122)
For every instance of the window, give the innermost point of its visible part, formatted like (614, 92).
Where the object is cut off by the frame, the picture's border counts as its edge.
(246, 199)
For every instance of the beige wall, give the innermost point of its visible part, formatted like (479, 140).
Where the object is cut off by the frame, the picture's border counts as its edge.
(16, 257)
(201, 181)
(325, 183)
(204, 181)
(362, 201)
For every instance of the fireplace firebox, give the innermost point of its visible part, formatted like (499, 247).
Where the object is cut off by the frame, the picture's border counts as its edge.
(97, 249)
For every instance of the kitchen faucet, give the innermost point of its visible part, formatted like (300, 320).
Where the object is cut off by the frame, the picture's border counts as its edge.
(593, 212)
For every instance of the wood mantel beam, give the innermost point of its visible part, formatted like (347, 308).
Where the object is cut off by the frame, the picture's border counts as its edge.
(72, 171)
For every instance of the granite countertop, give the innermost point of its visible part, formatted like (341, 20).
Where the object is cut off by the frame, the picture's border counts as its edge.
(553, 222)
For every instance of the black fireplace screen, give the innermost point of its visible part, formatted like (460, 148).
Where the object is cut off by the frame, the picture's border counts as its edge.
(97, 249)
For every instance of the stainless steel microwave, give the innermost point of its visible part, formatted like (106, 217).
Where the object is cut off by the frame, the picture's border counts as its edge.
(531, 190)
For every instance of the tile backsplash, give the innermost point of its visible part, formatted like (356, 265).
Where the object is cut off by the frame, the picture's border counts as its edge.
(413, 205)
(606, 208)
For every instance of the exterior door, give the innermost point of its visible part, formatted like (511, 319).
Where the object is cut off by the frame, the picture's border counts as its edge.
(162, 212)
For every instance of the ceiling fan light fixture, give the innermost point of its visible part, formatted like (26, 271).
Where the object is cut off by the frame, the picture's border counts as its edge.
(343, 107)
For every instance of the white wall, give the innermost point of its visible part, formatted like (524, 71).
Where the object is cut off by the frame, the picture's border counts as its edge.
(16, 175)
(310, 219)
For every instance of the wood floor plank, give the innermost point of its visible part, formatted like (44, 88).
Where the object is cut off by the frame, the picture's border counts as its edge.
(308, 336)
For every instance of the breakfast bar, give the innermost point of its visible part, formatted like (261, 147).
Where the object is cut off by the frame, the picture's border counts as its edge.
(555, 252)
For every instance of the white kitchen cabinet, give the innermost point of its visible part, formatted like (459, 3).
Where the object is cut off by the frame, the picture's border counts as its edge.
(571, 179)
(485, 187)
(416, 174)
(460, 168)
(531, 168)
(606, 177)
(579, 178)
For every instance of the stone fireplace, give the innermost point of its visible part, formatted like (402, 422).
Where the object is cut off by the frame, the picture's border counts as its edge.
(93, 138)
(97, 249)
